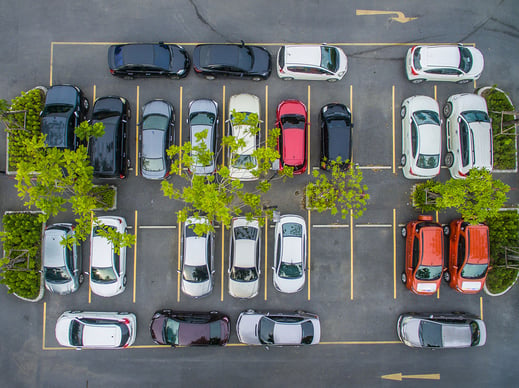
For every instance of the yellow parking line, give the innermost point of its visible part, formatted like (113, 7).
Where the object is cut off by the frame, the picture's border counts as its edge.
(394, 253)
(51, 62)
(309, 252)
(135, 259)
(180, 132)
(94, 95)
(393, 118)
(178, 261)
(44, 324)
(223, 125)
(137, 110)
(266, 256)
(481, 307)
(308, 133)
(223, 250)
(351, 254)
(435, 93)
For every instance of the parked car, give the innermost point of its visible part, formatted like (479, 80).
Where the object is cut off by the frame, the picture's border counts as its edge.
(278, 329)
(469, 256)
(107, 267)
(443, 330)
(96, 330)
(469, 134)
(244, 258)
(179, 328)
(156, 136)
(336, 135)
(243, 163)
(290, 254)
(109, 153)
(423, 255)
(312, 62)
(292, 120)
(65, 108)
(203, 116)
(62, 265)
(454, 63)
(421, 138)
(232, 60)
(197, 259)
(148, 60)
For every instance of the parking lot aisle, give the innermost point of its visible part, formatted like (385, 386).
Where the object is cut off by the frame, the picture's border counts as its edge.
(223, 126)
(137, 111)
(135, 258)
(223, 258)
(351, 119)
(308, 134)
(179, 226)
(44, 324)
(266, 114)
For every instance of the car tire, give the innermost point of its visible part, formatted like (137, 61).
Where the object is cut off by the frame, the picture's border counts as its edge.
(403, 278)
(210, 77)
(403, 232)
(447, 276)
(446, 230)
(403, 111)
(81, 278)
(403, 160)
(287, 79)
(332, 80)
(174, 77)
(463, 81)
(256, 79)
(449, 159)
(418, 81)
(447, 110)
(128, 77)
(75, 311)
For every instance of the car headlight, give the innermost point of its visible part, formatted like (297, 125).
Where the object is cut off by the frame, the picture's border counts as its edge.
(325, 109)
(340, 74)
(181, 71)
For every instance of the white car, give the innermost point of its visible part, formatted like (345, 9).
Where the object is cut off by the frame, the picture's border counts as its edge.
(469, 134)
(311, 62)
(454, 63)
(244, 258)
(107, 268)
(278, 329)
(421, 137)
(96, 330)
(197, 259)
(243, 163)
(290, 254)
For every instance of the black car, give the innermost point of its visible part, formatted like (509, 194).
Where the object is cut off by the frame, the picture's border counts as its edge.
(65, 108)
(109, 153)
(336, 128)
(148, 60)
(232, 60)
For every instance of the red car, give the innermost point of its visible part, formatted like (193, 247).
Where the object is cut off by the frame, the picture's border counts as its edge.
(423, 255)
(469, 256)
(292, 120)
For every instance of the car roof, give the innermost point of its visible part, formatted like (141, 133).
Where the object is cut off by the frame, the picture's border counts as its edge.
(293, 146)
(303, 55)
(339, 142)
(456, 335)
(153, 143)
(431, 245)
(219, 54)
(244, 253)
(195, 250)
(482, 144)
(440, 56)
(102, 252)
(429, 136)
(54, 252)
(478, 244)
(146, 54)
(292, 250)
(287, 333)
(101, 335)
(103, 149)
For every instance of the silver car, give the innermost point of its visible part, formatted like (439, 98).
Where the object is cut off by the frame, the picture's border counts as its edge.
(203, 116)
(62, 265)
(197, 260)
(456, 330)
(297, 328)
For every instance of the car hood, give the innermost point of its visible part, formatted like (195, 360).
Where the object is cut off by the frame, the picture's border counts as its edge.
(289, 286)
(61, 288)
(62, 331)
(197, 290)
(262, 62)
(106, 290)
(157, 329)
(247, 328)
(243, 289)
(410, 332)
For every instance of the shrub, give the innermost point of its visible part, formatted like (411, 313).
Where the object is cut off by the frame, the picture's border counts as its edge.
(105, 196)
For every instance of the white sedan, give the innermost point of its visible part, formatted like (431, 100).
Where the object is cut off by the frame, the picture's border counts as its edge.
(96, 330)
(107, 267)
(290, 254)
(421, 138)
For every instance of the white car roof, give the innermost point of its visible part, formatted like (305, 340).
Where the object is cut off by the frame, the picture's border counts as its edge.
(292, 250)
(102, 252)
(287, 333)
(242, 132)
(101, 335)
(244, 253)
(430, 139)
(195, 251)
(440, 56)
(304, 54)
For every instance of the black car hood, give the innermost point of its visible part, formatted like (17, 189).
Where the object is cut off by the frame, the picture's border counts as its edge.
(61, 95)
(262, 62)
(179, 59)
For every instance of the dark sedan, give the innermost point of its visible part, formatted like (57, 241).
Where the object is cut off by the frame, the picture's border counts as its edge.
(65, 108)
(336, 128)
(178, 328)
(148, 60)
(109, 153)
(232, 60)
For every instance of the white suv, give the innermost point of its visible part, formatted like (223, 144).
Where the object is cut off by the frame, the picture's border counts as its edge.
(469, 134)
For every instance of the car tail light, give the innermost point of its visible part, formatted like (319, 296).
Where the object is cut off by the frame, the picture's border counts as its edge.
(281, 70)
(197, 70)
(125, 346)
(413, 71)
(125, 321)
(462, 173)
(167, 174)
(411, 171)
(122, 176)
(112, 71)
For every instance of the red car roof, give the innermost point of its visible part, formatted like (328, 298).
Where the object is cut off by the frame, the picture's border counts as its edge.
(431, 241)
(293, 146)
(478, 244)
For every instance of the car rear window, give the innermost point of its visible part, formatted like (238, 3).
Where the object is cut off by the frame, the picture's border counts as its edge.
(281, 57)
(245, 233)
(308, 333)
(416, 59)
(329, 58)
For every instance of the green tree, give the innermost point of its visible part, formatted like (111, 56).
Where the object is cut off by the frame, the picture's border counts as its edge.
(217, 196)
(476, 198)
(342, 192)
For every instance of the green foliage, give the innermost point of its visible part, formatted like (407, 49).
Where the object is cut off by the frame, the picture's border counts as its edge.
(85, 131)
(119, 240)
(477, 198)
(105, 197)
(343, 192)
(22, 231)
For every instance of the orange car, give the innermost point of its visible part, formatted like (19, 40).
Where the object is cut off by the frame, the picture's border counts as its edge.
(469, 256)
(423, 255)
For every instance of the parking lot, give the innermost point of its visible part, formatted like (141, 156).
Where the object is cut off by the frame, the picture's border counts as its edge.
(353, 281)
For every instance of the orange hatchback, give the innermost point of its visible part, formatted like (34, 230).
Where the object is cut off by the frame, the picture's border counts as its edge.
(423, 255)
(469, 256)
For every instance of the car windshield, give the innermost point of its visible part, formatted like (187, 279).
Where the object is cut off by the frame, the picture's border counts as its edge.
(428, 161)
(195, 273)
(155, 164)
(430, 334)
(426, 272)
(465, 59)
(475, 116)
(329, 58)
(245, 161)
(474, 331)
(155, 122)
(104, 114)
(103, 275)
(245, 58)
(426, 117)
(244, 274)
(53, 109)
(56, 274)
(474, 271)
(416, 59)
(76, 333)
(245, 233)
(308, 332)
(171, 328)
(190, 232)
(292, 121)
(201, 118)
(290, 271)
(266, 330)
(292, 229)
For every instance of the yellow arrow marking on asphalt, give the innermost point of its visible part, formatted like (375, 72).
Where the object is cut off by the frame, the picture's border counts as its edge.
(400, 17)
(399, 377)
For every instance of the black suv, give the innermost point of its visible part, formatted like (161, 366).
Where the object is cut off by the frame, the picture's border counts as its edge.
(109, 153)
(65, 108)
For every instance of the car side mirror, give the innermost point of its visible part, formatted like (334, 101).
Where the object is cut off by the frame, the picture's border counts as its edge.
(178, 271)
(274, 268)
(242, 43)
(275, 165)
(352, 125)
